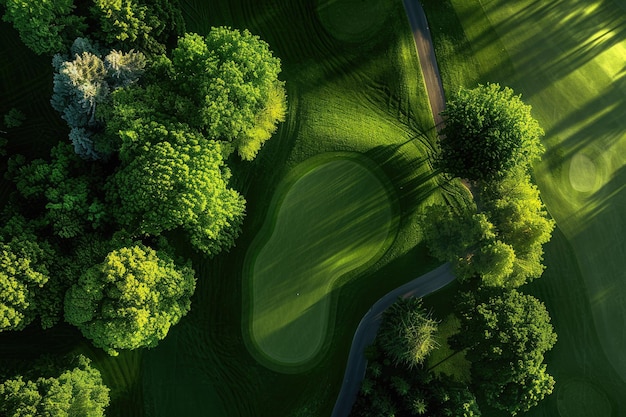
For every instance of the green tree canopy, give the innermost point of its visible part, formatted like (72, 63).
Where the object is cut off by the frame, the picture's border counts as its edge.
(131, 299)
(224, 85)
(506, 335)
(407, 332)
(65, 189)
(21, 276)
(469, 241)
(144, 25)
(172, 176)
(45, 26)
(488, 131)
(77, 392)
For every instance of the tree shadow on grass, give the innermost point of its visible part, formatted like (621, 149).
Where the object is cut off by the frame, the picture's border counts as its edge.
(413, 178)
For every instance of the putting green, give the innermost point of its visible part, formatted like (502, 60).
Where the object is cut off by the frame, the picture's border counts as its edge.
(332, 221)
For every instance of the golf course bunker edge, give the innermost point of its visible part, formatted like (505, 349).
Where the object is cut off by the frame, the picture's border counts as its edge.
(329, 220)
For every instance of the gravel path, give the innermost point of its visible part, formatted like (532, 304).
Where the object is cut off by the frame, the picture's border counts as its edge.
(425, 284)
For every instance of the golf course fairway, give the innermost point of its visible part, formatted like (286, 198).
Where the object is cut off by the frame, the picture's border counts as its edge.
(323, 226)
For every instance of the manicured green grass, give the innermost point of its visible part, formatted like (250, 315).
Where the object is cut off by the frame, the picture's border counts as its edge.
(335, 219)
(567, 61)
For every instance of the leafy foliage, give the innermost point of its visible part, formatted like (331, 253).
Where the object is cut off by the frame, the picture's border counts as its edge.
(66, 187)
(145, 25)
(75, 392)
(225, 86)
(470, 242)
(407, 332)
(507, 334)
(130, 300)
(45, 26)
(20, 277)
(170, 177)
(84, 83)
(488, 131)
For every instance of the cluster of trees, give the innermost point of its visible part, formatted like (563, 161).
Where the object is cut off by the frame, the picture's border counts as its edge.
(70, 387)
(154, 115)
(396, 383)
(490, 139)
(505, 334)
(496, 245)
(50, 27)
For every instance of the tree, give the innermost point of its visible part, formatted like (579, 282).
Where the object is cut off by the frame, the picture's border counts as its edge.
(83, 83)
(506, 335)
(407, 332)
(469, 241)
(77, 392)
(131, 299)
(516, 210)
(488, 131)
(14, 118)
(45, 26)
(20, 279)
(145, 25)
(225, 85)
(171, 176)
(65, 189)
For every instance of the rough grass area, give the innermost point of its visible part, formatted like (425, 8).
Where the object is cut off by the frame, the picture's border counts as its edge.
(333, 220)
(444, 360)
(567, 61)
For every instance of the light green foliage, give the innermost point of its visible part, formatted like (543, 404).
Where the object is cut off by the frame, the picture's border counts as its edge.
(77, 392)
(507, 335)
(130, 300)
(45, 26)
(66, 185)
(20, 278)
(227, 85)
(504, 243)
(121, 20)
(171, 177)
(488, 131)
(14, 118)
(469, 241)
(516, 210)
(407, 332)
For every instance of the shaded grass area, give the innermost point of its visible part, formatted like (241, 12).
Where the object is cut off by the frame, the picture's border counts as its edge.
(568, 62)
(325, 226)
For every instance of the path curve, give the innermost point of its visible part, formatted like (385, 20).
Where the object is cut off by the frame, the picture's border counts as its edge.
(368, 327)
(427, 283)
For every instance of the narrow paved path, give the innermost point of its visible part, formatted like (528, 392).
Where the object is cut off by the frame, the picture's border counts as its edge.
(426, 55)
(368, 327)
(425, 284)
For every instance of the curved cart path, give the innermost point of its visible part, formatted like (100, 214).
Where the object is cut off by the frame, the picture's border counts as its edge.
(425, 284)
(368, 327)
